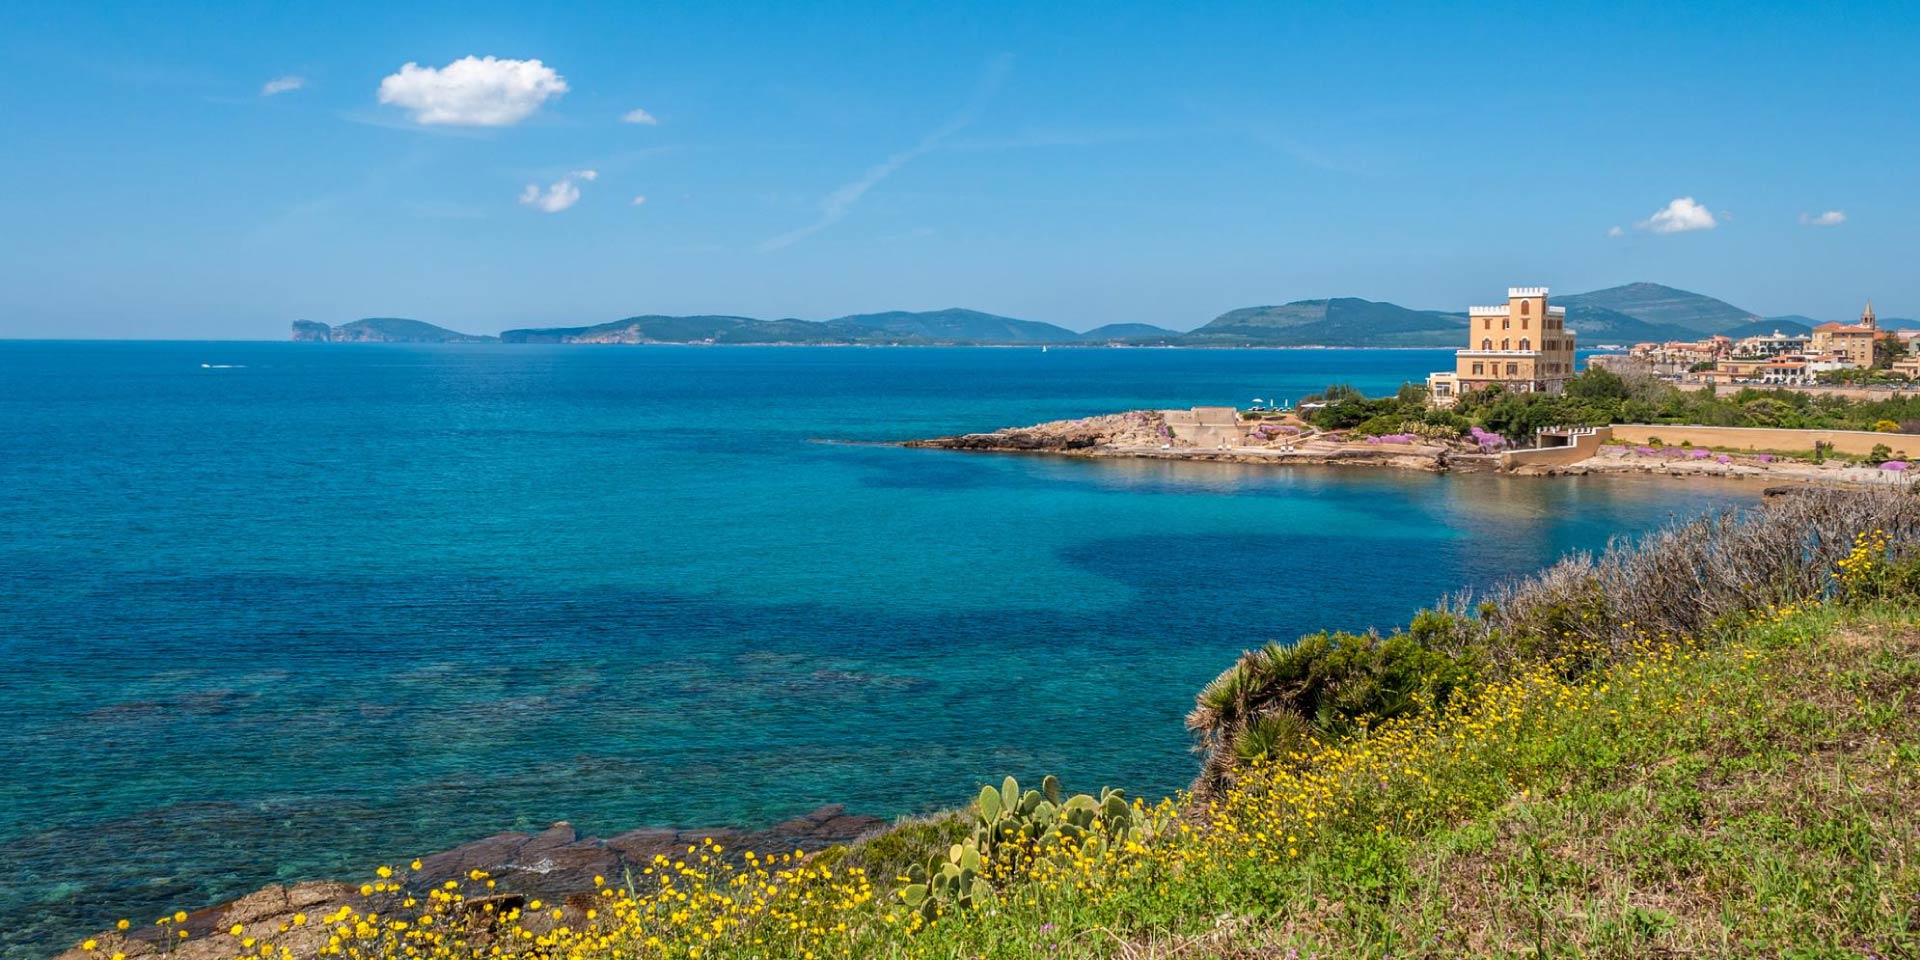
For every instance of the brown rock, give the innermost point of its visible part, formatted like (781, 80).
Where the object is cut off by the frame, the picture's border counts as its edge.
(554, 865)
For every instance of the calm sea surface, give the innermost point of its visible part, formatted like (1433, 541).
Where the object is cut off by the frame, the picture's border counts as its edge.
(281, 611)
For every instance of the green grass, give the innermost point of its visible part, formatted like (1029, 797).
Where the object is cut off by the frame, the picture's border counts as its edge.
(1758, 800)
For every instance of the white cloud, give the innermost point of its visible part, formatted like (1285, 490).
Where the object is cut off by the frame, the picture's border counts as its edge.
(637, 115)
(1832, 218)
(473, 92)
(560, 194)
(1616, 232)
(1680, 216)
(639, 200)
(282, 85)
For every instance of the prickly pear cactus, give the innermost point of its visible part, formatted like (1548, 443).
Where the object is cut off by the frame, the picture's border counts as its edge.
(1012, 831)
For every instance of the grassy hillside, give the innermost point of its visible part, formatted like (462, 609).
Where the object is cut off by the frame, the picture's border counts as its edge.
(1596, 325)
(1341, 321)
(1792, 323)
(674, 329)
(957, 325)
(1706, 745)
(1660, 306)
(382, 330)
(1129, 331)
(939, 326)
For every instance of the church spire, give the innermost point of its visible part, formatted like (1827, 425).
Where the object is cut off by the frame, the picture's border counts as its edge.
(1866, 318)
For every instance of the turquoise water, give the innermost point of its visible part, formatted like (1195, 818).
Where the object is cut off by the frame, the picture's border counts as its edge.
(314, 607)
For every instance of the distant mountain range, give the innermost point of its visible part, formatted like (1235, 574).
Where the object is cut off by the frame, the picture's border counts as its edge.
(1339, 322)
(1631, 313)
(382, 330)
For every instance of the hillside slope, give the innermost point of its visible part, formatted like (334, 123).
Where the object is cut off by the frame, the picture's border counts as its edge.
(937, 326)
(1339, 321)
(382, 330)
(656, 328)
(1132, 332)
(1660, 306)
(959, 325)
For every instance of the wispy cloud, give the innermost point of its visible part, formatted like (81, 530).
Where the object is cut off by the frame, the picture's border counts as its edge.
(1831, 218)
(560, 194)
(637, 115)
(834, 207)
(472, 92)
(1616, 231)
(1681, 215)
(279, 85)
(637, 201)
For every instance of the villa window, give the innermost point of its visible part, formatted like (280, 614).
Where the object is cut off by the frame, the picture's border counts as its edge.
(1506, 344)
(1506, 324)
(1513, 368)
(1525, 308)
(1487, 344)
(1525, 344)
(1479, 368)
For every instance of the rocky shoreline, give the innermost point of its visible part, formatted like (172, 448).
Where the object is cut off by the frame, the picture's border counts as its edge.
(556, 865)
(1146, 434)
(1216, 435)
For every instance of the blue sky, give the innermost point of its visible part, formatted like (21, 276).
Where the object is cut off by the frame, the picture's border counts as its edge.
(1081, 164)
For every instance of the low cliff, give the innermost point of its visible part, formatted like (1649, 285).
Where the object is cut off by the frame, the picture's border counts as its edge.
(1207, 433)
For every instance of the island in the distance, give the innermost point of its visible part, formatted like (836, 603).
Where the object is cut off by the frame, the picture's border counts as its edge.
(1632, 313)
(382, 330)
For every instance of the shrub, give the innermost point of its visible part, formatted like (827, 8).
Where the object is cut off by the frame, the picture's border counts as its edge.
(1585, 612)
(1278, 699)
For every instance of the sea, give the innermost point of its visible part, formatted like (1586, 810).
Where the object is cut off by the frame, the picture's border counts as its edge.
(276, 611)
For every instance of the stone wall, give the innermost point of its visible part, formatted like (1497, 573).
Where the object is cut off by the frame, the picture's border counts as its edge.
(1584, 446)
(1758, 439)
(1836, 390)
(1205, 427)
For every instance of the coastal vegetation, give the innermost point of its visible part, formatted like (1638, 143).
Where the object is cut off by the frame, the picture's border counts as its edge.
(1598, 397)
(1702, 744)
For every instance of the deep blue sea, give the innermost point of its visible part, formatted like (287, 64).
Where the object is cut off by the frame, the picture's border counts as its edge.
(276, 611)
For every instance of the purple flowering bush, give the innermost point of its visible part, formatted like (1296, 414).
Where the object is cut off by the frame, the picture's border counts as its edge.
(1487, 442)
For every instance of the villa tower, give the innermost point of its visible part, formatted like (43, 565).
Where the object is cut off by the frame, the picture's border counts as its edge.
(1852, 343)
(1523, 345)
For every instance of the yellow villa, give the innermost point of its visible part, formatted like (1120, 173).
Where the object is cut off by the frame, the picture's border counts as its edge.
(1523, 345)
(1853, 343)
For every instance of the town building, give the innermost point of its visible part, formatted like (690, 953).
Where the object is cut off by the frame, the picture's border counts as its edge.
(1523, 345)
(1673, 359)
(1851, 342)
(1771, 345)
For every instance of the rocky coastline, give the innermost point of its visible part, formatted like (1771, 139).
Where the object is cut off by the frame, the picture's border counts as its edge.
(1148, 434)
(555, 865)
(1220, 435)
